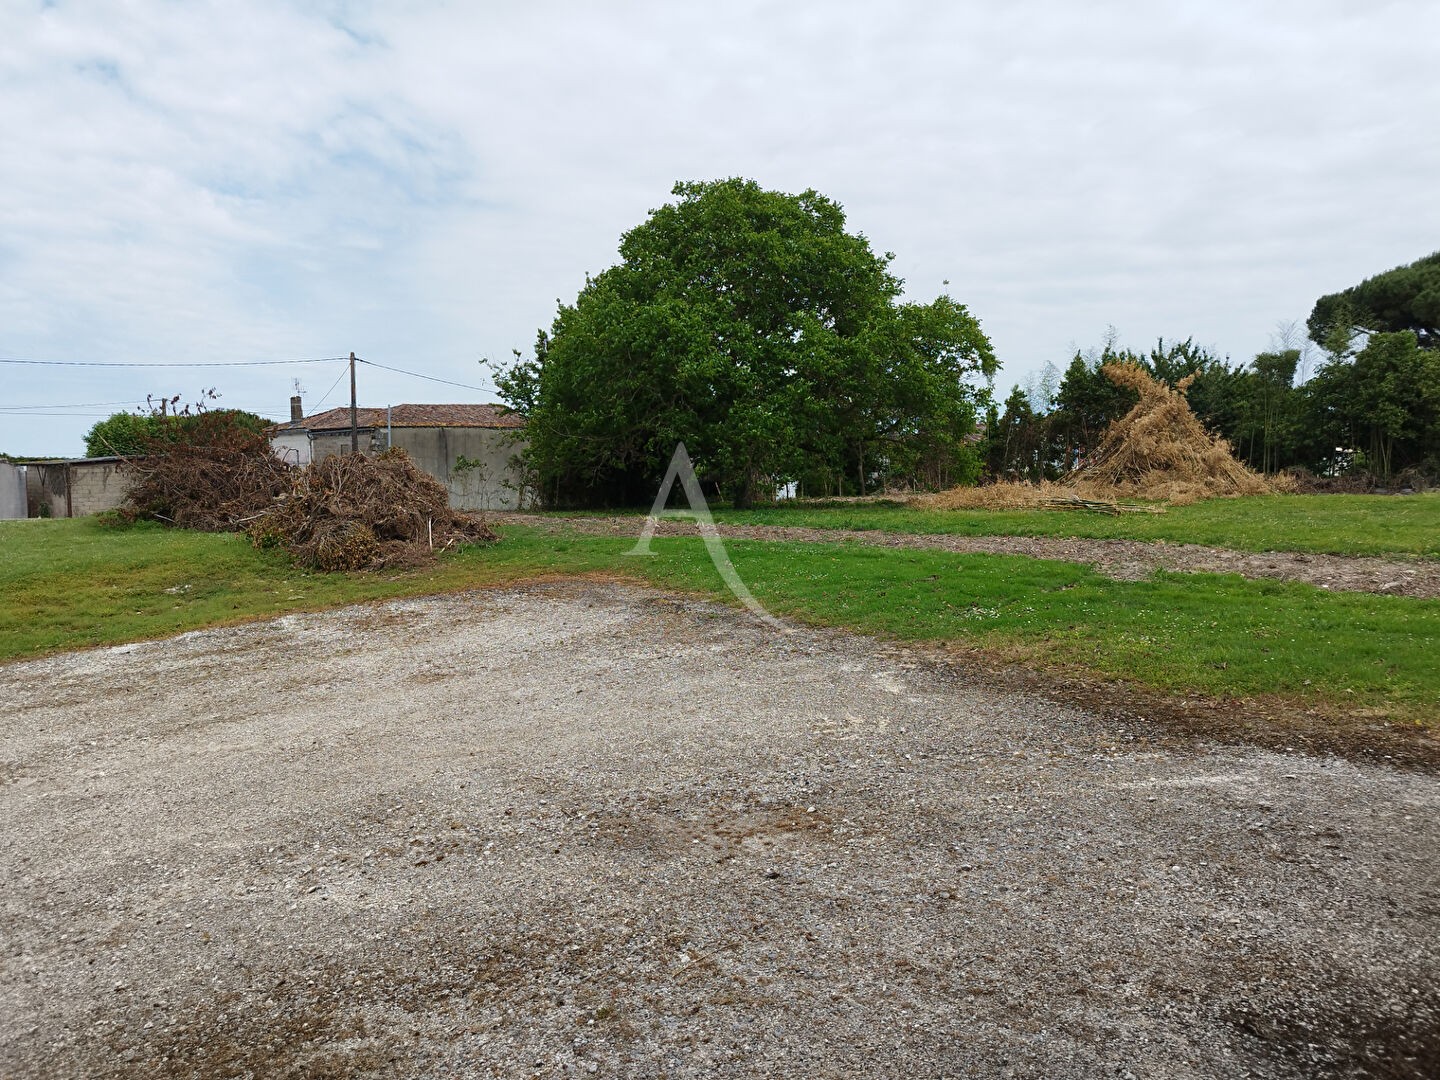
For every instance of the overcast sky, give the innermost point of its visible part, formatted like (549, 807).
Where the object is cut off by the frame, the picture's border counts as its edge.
(257, 181)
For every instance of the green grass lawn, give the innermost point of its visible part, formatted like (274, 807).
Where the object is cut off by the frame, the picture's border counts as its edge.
(65, 584)
(1341, 524)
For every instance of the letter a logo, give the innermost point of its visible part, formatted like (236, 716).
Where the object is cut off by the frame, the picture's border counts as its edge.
(681, 469)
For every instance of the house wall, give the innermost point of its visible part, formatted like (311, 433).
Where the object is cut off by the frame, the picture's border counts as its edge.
(293, 447)
(491, 485)
(12, 491)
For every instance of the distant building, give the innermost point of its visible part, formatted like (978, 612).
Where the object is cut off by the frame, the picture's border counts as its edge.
(468, 448)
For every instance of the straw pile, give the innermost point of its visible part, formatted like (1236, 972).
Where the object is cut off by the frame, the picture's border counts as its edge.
(356, 512)
(1159, 450)
(1009, 495)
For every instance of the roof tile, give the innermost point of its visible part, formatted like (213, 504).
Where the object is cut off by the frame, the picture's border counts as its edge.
(482, 416)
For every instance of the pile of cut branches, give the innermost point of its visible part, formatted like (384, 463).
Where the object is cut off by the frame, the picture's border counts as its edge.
(356, 512)
(214, 475)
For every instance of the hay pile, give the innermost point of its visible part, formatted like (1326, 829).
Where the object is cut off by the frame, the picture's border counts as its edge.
(1157, 451)
(1160, 450)
(1008, 495)
(355, 512)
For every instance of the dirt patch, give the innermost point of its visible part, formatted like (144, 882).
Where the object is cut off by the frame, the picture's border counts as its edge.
(640, 835)
(1124, 560)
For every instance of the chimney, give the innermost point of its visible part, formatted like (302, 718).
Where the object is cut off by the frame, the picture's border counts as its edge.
(296, 412)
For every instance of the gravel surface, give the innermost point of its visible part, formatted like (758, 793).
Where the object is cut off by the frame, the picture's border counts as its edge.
(591, 830)
(1125, 560)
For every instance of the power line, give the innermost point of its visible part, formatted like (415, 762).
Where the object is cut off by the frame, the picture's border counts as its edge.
(69, 405)
(40, 416)
(343, 372)
(197, 364)
(431, 378)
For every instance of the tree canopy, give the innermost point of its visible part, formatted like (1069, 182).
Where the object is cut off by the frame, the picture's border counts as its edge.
(1406, 298)
(752, 326)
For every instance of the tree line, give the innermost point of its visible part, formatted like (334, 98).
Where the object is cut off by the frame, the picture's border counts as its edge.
(1372, 404)
(752, 326)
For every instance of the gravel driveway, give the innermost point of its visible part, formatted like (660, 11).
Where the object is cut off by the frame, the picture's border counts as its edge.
(587, 829)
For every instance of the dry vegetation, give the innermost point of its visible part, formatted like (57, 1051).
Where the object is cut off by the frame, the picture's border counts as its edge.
(358, 512)
(217, 477)
(1157, 451)
(339, 513)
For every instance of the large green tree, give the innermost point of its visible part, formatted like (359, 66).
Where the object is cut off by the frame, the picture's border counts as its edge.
(1405, 298)
(752, 326)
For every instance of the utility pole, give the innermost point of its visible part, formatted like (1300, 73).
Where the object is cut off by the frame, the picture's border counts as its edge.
(354, 426)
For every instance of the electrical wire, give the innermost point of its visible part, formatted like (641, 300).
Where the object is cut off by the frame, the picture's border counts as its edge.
(68, 405)
(197, 364)
(431, 378)
(37, 416)
(332, 388)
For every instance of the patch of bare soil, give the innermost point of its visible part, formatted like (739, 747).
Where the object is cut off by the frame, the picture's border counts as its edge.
(573, 830)
(1124, 560)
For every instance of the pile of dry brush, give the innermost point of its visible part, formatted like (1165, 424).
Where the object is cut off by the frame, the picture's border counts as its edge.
(214, 478)
(357, 512)
(1159, 451)
(339, 513)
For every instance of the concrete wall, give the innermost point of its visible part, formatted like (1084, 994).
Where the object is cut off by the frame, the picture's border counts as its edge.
(490, 485)
(12, 491)
(77, 488)
(96, 486)
(48, 486)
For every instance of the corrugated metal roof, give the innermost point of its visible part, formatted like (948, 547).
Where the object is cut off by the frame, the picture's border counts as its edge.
(481, 416)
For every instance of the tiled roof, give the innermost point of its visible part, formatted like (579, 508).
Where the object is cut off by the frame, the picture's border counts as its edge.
(481, 416)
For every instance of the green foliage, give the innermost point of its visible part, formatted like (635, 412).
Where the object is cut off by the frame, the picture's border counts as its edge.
(1057, 428)
(123, 434)
(1085, 405)
(1382, 404)
(1385, 400)
(1405, 298)
(1015, 446)
(751, 326)
(133, 434)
